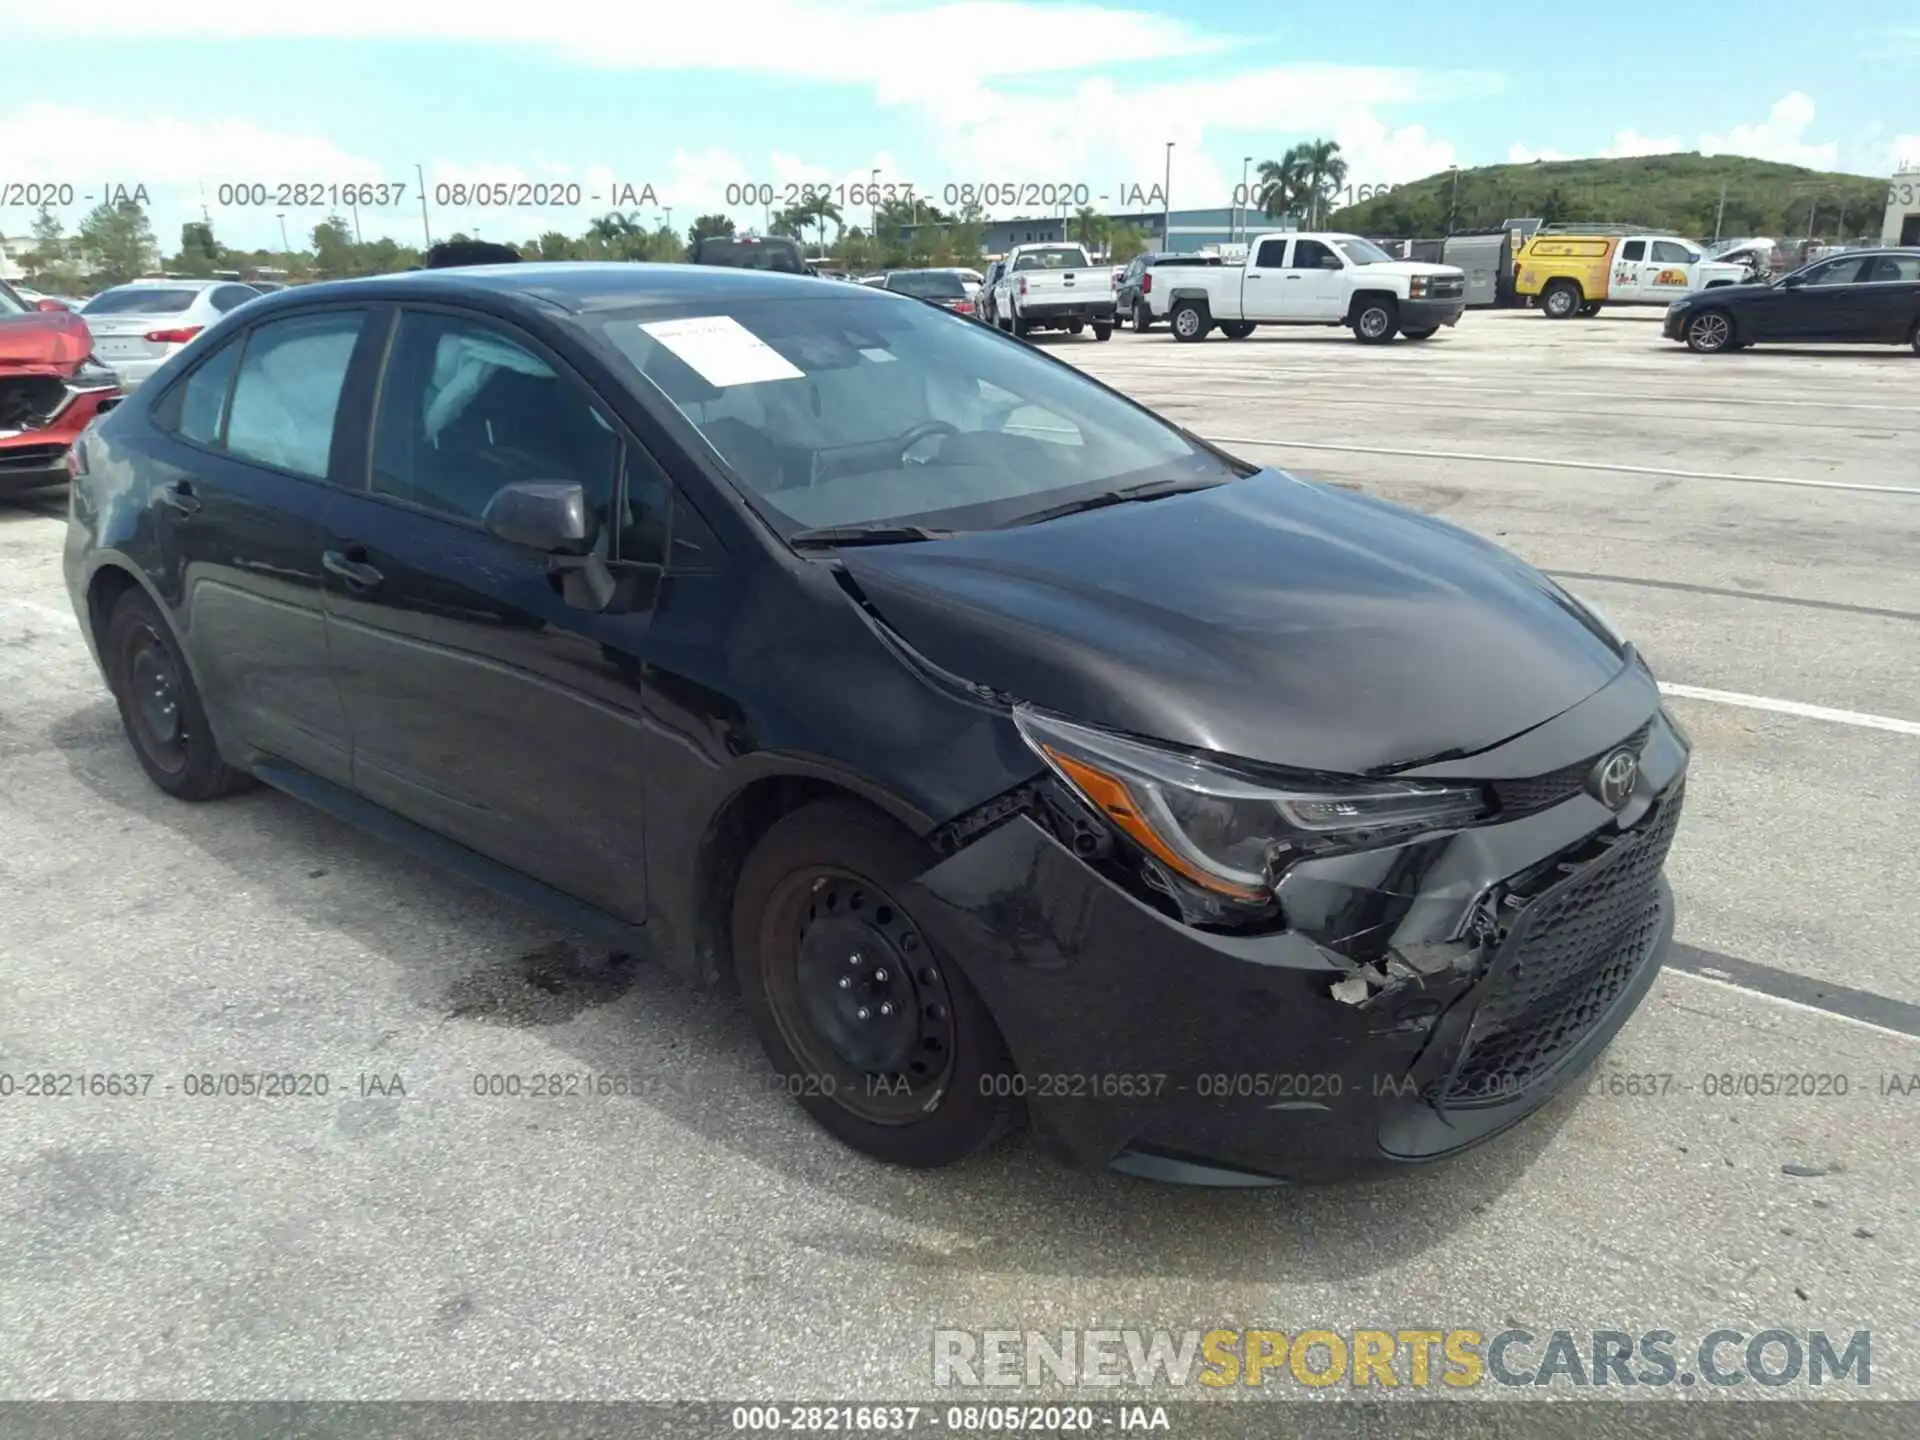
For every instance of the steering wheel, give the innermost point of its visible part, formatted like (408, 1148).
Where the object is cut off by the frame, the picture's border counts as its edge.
(924, 430)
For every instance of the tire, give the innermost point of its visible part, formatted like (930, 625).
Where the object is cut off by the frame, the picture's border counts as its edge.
(160, 707)
(1190, 321)
(1915, 337)
(819, 892)
(1709, 332)
(1375, 321)
(1426, 334)
(1019, 326)
(1561, 300)
(1236, 329)
(1102, 332)
(1590, 309)
(1142, 318)
(1074, 327)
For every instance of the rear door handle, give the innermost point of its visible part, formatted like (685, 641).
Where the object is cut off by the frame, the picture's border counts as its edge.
(179, 496)
(351, 566)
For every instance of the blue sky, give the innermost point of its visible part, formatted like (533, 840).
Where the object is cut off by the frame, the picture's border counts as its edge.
(691, 98)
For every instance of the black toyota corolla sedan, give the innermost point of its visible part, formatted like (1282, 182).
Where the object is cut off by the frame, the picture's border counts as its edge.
(1017, 753)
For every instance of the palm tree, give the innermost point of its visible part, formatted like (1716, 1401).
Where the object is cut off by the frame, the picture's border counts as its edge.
(1281, 185)
(1324, 173)
(1089, 227)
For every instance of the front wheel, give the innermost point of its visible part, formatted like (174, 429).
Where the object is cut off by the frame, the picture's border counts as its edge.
(1142, 318)
(1916, 337)
(1710, 332)
(1375, 321)
(1590, 309)
(1426, 334)
(878, 1037)
(1189, 321)
(160, 706)
(1236, 329)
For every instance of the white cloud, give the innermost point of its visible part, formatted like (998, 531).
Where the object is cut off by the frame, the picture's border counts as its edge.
(1781, 136)
(1521, 154)
(1903, 153)
(1625, 142)
(865, 41)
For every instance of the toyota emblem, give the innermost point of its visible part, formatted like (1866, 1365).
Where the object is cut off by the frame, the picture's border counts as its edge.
(1613, 778)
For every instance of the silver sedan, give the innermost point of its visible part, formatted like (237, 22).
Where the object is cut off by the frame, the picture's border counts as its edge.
(137, 327)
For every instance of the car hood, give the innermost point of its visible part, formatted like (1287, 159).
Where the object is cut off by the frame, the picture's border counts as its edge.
(1268, 618)
(43, 342)
(1409, 268)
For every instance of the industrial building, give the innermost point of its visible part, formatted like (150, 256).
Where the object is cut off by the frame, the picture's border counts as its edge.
(1902, 225)
(1189, 229)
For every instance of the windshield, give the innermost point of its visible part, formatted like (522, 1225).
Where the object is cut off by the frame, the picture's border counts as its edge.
(928, 284)
(1363, 252)
(10, 303)
(857, 410)
(783, 255)
(1052, 257)
(140, 300)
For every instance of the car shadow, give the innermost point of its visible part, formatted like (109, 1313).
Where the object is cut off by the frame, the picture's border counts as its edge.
(1887, 355)
(471, 959)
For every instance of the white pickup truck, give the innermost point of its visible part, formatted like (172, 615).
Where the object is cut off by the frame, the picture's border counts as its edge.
(1053, 287)
(1320, 278)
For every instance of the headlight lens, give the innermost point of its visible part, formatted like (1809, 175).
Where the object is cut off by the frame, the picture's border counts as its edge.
(1416, 287)
(90, 374)
(1227, 832)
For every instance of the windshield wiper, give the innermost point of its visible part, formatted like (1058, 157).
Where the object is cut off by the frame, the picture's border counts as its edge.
(879, 533)
(1146, 490)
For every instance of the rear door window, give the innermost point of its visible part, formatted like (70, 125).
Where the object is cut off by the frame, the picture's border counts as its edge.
(287, 392)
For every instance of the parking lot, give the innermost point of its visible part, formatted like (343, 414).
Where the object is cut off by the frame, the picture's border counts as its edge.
(1751, 520)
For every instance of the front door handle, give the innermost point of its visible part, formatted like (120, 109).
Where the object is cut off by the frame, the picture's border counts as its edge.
(179, 496)
(351, 566)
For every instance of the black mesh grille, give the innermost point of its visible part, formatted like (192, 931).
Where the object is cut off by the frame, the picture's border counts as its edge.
(1568, 955)
(1537, 792)
(30, 457)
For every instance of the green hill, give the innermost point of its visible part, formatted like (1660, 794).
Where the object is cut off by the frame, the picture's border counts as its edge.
(1662, 192)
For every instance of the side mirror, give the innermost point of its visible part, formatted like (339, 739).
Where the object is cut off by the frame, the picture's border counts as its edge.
(45, 304)
(546, 515)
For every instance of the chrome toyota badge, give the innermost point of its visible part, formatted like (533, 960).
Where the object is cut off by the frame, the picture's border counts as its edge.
(1613, 778)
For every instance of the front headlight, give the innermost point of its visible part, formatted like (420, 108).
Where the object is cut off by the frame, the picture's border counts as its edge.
(1417, 287)
(90, 374)
(1229, 832)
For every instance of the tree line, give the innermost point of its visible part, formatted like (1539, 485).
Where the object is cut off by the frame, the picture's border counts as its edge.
(115, 242)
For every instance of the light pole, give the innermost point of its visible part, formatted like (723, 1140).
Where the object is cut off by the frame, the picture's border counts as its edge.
(1166, 203)
(426, 226)
(286, 249)
(1453, 201)
(1245, 199)
(873, 203)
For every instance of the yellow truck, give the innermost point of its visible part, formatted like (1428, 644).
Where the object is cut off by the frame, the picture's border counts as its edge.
(1574, 274)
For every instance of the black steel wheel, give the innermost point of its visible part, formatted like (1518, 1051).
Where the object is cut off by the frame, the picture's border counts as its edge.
(876, 1035)
(160, 708)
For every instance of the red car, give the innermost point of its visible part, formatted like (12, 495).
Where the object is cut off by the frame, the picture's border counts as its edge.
(50, 388)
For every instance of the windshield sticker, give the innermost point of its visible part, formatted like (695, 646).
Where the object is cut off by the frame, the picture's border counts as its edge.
(722, 351)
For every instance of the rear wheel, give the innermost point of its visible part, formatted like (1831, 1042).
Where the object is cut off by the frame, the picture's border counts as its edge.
(1236, 329)
(1375, 320)
(1142, 318)
(160, 706)
(1426, 334)
(1190, 321)
(1102, 332)
(1074, 327)
(1018, 325)
(1915, 337)
(1562, 300)
(878, 1038)
(1710, 332)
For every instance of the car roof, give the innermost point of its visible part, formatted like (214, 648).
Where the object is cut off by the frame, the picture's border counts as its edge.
(573, 287)
(160, 282)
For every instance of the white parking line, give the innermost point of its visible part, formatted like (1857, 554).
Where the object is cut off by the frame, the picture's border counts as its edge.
(1792, 707)
(1273, 444)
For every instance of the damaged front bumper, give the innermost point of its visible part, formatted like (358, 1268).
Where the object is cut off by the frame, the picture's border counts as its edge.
(41, 415)
(1422, 997)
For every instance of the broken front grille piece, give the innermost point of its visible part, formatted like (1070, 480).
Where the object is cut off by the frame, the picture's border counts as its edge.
(28, 402)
